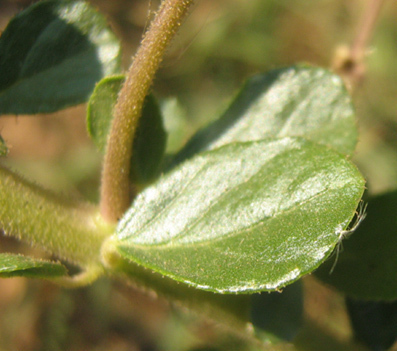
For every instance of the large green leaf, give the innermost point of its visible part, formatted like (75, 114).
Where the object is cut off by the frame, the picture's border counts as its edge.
(245, 217)
(12, 265)
(366, 263)
(51, 56)
(3, 147)
(150, 138)
(296, 101)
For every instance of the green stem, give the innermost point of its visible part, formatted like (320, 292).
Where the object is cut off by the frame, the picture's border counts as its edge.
(72, 231)
(115, 191)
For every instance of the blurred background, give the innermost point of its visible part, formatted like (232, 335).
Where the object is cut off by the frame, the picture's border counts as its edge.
(222, 43)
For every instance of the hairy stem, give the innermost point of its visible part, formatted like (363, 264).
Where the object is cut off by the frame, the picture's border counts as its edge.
(349, 62)
(115, 190)
(69, 230)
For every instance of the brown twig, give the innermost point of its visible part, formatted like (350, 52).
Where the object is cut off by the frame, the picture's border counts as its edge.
(349, 62)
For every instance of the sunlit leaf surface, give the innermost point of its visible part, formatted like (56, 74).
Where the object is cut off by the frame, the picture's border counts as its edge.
(245, 217)
(295, 101)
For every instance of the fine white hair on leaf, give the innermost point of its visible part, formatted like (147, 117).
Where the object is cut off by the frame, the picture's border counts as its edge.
(361, 213)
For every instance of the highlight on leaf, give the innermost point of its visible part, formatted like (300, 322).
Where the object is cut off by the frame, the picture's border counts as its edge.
(302, 100)
(245, 217)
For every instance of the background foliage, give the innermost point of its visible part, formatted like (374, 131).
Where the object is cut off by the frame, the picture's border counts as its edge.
(222, 43)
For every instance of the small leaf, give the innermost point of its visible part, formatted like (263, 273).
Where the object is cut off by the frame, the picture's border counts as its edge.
(367, 261)
(21, 266)
(245, 217)
(150, 139)
(3, 147)
(100, 109)
(295, 101)
(175, 124)
(51, 56)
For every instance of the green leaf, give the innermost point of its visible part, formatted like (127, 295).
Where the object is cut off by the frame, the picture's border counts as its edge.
(100, 109)
(367, 260)
(51, 56)
(245, 217)
(150, 138)
(3, 147)
(12, 265)
(295, 101)
(175, 124)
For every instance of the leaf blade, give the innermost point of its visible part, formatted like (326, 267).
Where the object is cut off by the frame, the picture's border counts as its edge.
(294, 101)
(201, 224)
(51, 55)
(12, 265)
